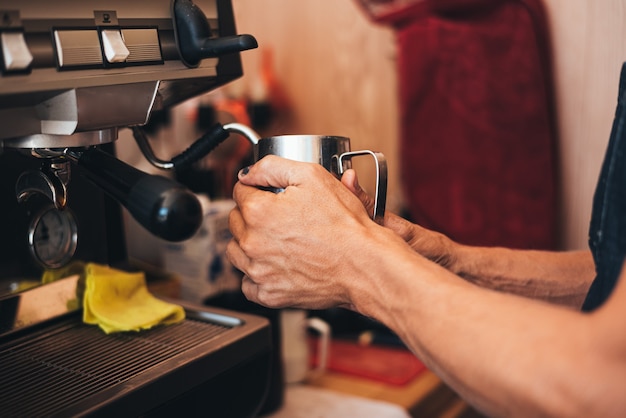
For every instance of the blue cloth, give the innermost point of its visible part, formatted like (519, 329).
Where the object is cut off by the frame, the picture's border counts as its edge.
(607, 231)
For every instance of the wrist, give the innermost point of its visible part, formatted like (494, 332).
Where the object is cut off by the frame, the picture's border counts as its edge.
(382, 252)
(438, 248)
(458, 255)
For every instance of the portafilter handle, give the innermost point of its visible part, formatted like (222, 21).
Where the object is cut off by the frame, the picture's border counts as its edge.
(164, 207)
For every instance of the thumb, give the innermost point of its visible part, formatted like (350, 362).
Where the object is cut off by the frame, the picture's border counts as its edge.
(350, 180)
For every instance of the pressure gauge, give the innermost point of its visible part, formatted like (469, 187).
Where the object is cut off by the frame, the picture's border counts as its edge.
(53, 236)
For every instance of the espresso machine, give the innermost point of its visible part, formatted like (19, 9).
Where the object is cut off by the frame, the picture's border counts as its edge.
(73, 73)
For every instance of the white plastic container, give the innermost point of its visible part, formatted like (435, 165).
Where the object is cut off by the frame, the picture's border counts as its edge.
(200, 262)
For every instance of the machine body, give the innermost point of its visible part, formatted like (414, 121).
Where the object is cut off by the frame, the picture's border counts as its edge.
(72, 75)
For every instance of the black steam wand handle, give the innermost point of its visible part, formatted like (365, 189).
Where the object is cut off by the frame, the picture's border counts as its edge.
(164, 207)
(199, 149)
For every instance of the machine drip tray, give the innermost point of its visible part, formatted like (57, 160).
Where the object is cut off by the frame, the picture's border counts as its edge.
(215, 360)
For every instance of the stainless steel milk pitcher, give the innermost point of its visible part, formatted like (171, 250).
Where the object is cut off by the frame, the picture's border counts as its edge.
(332, 152)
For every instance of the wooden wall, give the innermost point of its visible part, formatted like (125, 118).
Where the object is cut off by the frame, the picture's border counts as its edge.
(589, 48)
(337, 69)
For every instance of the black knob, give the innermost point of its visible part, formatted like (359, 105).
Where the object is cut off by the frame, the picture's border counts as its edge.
(164, 207)
(194, 39)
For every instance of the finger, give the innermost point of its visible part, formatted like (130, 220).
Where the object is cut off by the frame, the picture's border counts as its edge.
(251, 207)
(277, 172)
(351, 181)
(236, 223)
(237, 256)
(243, 192)
(400, 226)
(250, 289)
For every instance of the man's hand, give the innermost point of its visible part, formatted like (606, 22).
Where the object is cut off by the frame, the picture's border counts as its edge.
(299, 247)
(432, 245)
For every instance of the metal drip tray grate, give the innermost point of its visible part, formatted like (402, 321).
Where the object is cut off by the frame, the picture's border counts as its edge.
(70, 361)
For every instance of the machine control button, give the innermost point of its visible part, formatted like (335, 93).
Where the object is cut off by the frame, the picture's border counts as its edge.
(114, 48)
(78, 48)
(143, 45)
(15, 52)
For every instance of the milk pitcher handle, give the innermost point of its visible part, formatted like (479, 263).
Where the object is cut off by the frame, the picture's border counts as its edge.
(380, 199)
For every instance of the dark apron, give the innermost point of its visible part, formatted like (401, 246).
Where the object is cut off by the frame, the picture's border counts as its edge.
(607, 231)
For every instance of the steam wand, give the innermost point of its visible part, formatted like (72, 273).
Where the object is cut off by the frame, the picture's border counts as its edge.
(200, 148)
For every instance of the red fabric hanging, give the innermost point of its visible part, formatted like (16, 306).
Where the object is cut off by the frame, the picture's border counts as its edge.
(478, 130)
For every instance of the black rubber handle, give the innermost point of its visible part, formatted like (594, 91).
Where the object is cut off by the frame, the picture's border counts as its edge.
(164, 207)
(199, 149)
(194, 38)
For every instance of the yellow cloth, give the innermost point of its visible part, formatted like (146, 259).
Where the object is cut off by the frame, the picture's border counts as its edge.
(119, 301)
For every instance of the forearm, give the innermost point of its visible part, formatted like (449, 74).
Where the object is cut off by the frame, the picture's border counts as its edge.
(556, 277)
(505, 354)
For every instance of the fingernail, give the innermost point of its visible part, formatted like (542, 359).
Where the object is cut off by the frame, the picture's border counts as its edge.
(244, 171)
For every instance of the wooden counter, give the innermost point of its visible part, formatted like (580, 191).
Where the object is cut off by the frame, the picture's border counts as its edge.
(425, 396)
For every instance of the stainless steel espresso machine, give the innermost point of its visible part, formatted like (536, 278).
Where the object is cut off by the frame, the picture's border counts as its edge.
(72, 74)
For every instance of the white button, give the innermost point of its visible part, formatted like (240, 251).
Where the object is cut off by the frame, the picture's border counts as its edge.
(15, 51)
(114, 48)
